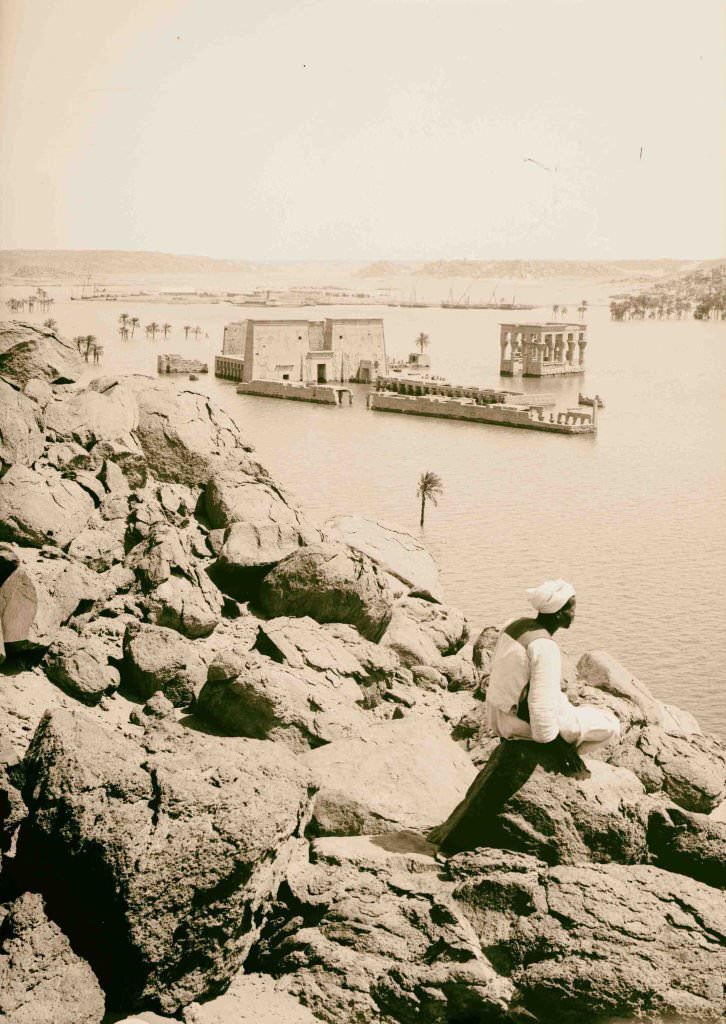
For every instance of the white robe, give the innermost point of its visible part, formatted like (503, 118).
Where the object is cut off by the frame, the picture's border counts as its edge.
(539, 663)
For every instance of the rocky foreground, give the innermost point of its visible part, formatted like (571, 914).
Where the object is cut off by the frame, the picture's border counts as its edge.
(225, 732)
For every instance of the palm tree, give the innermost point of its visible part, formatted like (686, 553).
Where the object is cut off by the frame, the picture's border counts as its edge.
(197, 331)
(422, 342)
(430, 489)
(123, 320)
(50, 324)
(89, 343)
(187, 329)
(134, 321)
(555, 311)
(151, 329)
(165, 328)
(564, 312)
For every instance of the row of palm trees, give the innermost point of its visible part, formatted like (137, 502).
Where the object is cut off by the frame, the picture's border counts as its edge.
(41, 299)
(127, 326)
(700, 293)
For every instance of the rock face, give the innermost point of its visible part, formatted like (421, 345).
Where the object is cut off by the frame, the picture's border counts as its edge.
(422, 633)
(266, 700)
(41, 508)
(27, 351)
(21, 437)
(521, 801)
(586, 940)
(158, 659)
(392, 549)
(405, 774)
(177, 842)
(330, 583)
(42, 981)
(40, 595)
(374, 935)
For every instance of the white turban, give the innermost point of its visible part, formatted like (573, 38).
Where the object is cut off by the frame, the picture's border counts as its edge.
(550, 596)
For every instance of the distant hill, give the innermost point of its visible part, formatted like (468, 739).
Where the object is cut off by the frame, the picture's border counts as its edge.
(604, 270)
(74, 263)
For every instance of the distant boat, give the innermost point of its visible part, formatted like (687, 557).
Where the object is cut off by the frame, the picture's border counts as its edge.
(586, 400)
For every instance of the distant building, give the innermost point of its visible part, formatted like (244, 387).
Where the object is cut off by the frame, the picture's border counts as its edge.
(542, 349)
(311, 351)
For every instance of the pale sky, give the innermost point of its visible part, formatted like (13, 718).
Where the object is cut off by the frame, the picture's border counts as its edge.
(365, 129)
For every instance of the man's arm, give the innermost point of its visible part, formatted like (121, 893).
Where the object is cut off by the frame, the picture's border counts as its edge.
(544, 689)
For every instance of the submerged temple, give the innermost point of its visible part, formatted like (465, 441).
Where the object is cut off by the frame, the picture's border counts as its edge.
(542, 349)
(308, 351)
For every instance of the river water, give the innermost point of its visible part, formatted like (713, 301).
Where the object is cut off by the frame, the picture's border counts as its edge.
(633, 518)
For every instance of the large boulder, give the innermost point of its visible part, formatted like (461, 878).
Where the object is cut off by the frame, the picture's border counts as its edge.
(690, 769)
(182, 434)
(690, 844)
(42, 508)
(330, 583)
(422, 632)
(156, 658)
(158, 857)
(392, 549)
(94, 415)
(27, 351)
(80, 666)
(600, 669)
(369, 932)
(266, 700)
(42, 981)
(336, 649)
(521, 801)
(21, 436)
(401, 774)
(586, 941)
(40, 594)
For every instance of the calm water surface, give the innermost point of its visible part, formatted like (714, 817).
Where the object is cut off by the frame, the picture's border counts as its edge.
(634, 518)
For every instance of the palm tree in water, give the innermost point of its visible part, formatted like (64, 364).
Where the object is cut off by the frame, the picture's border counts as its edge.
(430, 488)
(422, 342)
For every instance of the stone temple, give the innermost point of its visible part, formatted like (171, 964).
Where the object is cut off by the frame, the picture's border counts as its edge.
(542, 349)
(307, 351)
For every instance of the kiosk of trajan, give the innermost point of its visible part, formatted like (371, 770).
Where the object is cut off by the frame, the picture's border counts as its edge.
(542, 350)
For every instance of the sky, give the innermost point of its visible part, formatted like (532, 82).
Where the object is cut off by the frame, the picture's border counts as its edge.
(365, 129)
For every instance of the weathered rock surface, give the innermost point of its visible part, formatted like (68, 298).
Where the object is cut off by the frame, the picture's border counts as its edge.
(405, 774)
(330, 583)
(250, 999)
(336, 649)
(601, 670)
(300, 707)
(41, 594)
(182, 434)
(93, 415)
(21, 436)
(80, 666)
(24, 698)
(586, 940)
(421, 632)
(690, 844)
(371, 934)
(41, 508)
(691, 770)
(177, 843)
(100, 545)
(391, 548)
(42, 981)
(520, 801)
(27, 351)
(156, 658)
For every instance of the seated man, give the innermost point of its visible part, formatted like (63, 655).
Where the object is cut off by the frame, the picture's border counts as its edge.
(524, 698)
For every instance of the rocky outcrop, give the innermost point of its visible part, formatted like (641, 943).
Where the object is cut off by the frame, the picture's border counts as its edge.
(158, 659)
(587, 940)
(177, 842)
(402, 774)
(27, 351)
(369, 933)
(21, 437)
(330, 583)
(41, 508)
(40, 595)
(42, 981)
(267, 700)
(392, 549)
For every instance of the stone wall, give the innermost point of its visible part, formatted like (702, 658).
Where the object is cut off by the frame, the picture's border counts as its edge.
(171, 363)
